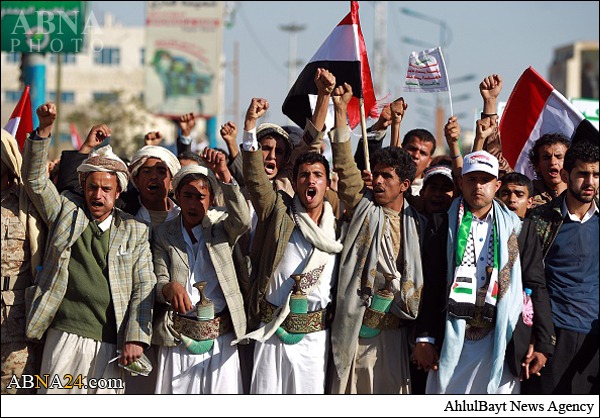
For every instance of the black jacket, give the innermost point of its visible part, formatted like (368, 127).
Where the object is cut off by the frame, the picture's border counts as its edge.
(432, 315)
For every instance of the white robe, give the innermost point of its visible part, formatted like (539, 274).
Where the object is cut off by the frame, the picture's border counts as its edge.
(218, 370)
(294, 368)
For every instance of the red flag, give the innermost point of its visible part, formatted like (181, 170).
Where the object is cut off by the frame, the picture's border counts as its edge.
(75, 139)
(21, 121)
(344, 53)
(535, 108)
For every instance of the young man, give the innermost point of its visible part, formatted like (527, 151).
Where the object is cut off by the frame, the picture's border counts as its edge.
(95, 292)
(191, 248)
(297, 238)
(475, 316)
(380, 265)
(152, 170)
(438, 189)
(420, 144)
(516, 192)
(568, 229)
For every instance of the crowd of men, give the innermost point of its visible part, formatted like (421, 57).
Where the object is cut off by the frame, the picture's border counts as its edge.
(271, 269)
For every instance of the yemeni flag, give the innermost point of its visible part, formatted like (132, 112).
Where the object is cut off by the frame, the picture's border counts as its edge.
(344, 54)
(535, 108)
(75, 138)
(20, 123)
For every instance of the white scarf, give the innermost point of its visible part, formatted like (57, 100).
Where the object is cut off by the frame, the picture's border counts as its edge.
(322, 238)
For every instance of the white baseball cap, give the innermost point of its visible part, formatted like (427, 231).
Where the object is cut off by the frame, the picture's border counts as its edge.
(480, 161)
(438, 170)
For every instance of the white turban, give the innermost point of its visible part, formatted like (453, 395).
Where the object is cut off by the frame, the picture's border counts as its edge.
(196, 169)
(105, 160)
(152, 151)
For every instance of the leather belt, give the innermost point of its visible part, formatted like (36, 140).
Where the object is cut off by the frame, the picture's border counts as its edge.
(203, 330)
(379, 320)
(297, 323)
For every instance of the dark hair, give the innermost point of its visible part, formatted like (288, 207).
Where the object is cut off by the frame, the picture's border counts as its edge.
(397, 158)
(423, 135)
(546, 139)
(189, 155)
(518, 179)
(277, 137)
(310, 157)
(583, 151)
(444, 160)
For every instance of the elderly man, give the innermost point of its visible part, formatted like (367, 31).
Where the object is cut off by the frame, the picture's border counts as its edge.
(23, 238)
(94, 296)
(476, 315)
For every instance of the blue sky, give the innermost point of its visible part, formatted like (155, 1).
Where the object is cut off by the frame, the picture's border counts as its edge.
(485, 38)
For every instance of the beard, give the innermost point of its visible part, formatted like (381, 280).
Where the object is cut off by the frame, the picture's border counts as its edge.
(578, 194)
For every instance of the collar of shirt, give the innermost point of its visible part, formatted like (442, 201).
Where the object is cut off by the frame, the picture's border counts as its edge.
(197, 231)
(105, 224)
(565, 212)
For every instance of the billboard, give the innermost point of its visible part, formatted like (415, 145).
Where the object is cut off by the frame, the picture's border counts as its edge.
(44, 26)
(183, 57)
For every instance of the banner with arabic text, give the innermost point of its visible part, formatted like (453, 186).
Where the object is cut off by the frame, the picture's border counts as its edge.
(426, 72)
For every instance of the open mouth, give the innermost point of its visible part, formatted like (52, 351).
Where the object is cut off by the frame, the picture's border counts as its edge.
(270, 168)
(554, 172)
(378, 190)
(311, 193)
(97, 204)
(152, 187)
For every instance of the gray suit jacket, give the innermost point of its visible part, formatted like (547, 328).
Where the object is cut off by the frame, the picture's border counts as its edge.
(130, 272)
(221, 230)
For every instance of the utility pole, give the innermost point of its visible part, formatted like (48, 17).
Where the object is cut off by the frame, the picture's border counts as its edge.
(380, 48)
(236, 82)
(293, 29)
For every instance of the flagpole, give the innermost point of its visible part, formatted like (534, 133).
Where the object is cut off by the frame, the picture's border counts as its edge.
(363, 125)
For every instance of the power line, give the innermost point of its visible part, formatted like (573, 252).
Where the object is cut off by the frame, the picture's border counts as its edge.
(260, 46)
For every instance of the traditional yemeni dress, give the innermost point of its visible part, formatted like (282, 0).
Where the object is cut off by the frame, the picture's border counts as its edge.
(299, 368)
(216, 371)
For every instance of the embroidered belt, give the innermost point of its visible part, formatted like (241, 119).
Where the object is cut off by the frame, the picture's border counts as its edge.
(297, 323)
(478, 327)
(203, 330)
(380, 320)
